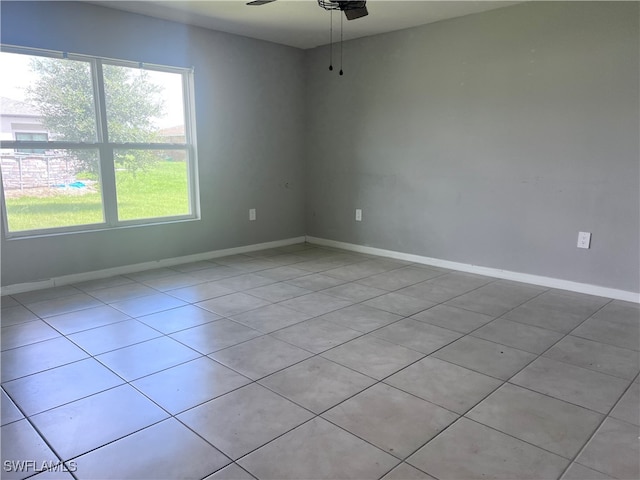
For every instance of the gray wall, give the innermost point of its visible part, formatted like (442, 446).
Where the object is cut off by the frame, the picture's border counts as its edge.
(250, 107)
(490, 139)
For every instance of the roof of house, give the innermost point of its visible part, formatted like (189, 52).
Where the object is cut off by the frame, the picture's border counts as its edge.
(9, 106)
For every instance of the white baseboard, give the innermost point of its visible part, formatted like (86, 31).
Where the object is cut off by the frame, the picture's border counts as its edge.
(489, 272)
(139, 267)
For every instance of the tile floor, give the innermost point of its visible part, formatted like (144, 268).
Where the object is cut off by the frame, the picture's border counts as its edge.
(304, 362)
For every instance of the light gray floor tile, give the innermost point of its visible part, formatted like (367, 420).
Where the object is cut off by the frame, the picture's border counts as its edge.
(244, 419)
(580, 472)
(392, 420)
(255, 265)
(445, 287)
(316, 335)
(41, 391)
(416, 335)
(278, 292)
(270, 318)
(601, 357)
(546, 422)
(405, 471)
(122, 292)
(172, 282)
(496, 298)
(86, 319)
(111, 415)
(354, 292)
(315, 304)
(215, 273)
(317, 384)
(176, 319)
(8, 301)
(617, 311)
(66, 304)
(400, 278)
(557, 311)
(361, 318)
(233, 304)
(472, 451)
(260, 356)
(152, 273)
(111, 337)
(200, 292)
(148, 357)
(214, 336)
(57, 472)
(572, 384)
(20, 443)
(399, 304)
(618, 333)
(193, 266)
(10, 412)
(37, 357)
(318, 450)
(359, 270)
(316, 281)
(231, 472)
(147, 305)
(152, 453)
(517, 335)
(97, 284)
(46, 294)
(453, 318)
(189, 384)
(450, 386)
(282, 273)
(26, 333)
(614, 450)
(628, 408)
(485, 357)
(373, 356)
(16, 314)
(245, 281)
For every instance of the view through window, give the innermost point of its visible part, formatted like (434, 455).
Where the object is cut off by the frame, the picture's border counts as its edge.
(93, 143)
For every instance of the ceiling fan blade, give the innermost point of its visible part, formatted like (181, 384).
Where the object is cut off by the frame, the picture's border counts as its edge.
(353, 13)
(256, 3)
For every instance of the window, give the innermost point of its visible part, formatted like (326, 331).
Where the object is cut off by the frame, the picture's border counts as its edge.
(26, 137)
(89, 143)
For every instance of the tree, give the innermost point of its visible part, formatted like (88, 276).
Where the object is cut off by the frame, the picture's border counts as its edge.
(63, 92)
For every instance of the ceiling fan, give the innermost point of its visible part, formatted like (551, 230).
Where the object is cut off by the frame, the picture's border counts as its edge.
(351, 9)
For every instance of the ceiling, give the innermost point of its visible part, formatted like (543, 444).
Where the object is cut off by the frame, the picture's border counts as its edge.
(302, 23)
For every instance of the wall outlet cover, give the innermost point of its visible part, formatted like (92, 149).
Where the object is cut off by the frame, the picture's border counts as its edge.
(584, 239)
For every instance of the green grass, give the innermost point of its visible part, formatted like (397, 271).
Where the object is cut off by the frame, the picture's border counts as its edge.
(160, 191)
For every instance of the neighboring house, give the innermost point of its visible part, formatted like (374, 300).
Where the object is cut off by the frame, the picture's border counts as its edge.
(172, 134)
(20, 121)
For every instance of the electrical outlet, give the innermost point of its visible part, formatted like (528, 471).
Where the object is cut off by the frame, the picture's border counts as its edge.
(252, 214)
(584, 239)
(358, 214)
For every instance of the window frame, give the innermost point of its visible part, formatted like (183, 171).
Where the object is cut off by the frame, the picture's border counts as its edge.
(105, 148)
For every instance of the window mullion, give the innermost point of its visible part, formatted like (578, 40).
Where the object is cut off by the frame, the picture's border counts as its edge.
(107, 170)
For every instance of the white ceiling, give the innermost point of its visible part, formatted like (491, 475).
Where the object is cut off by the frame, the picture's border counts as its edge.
(302, 23)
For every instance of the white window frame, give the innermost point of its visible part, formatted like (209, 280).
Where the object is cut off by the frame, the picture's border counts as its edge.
(105, 148)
